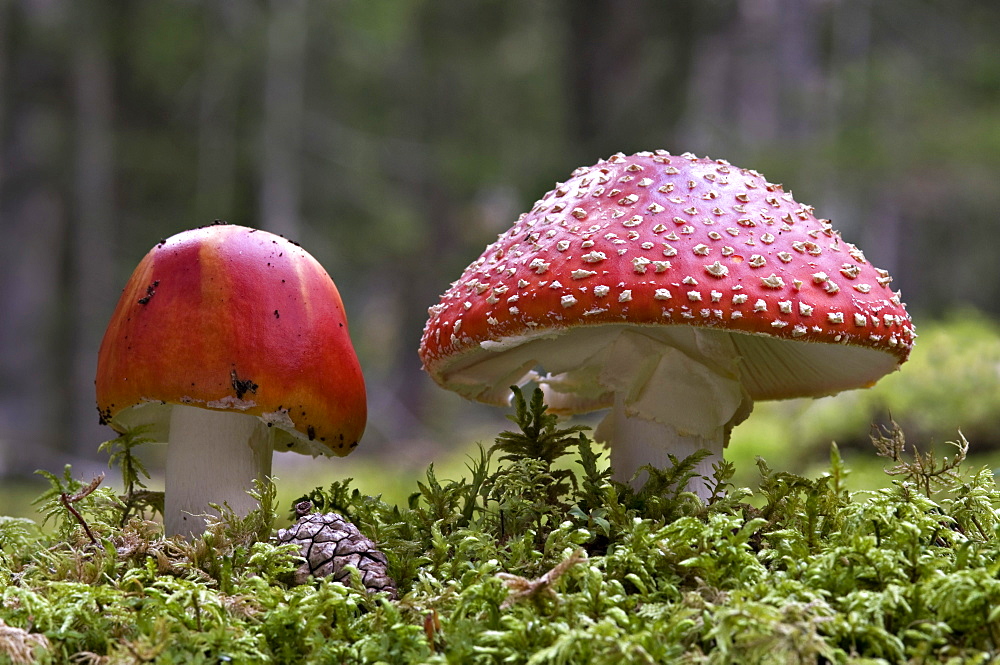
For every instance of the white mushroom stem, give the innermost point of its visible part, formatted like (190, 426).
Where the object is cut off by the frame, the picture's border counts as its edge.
(676, 391)
(636, 442)
(212, 457)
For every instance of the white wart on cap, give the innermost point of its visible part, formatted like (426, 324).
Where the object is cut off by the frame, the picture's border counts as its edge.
(676, 290)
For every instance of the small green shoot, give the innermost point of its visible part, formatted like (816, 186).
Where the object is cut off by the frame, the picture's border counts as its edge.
(137, 498)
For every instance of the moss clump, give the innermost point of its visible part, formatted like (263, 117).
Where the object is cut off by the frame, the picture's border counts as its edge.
(534, 557)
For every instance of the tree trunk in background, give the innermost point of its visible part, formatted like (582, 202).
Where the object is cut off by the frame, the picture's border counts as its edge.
(602, 60)
(91, 280)
(215, 197)
(750, 90)
(757, 80)
(418, 178)
(628, 63)
(33, 228)
(281, 176)
(4, 19)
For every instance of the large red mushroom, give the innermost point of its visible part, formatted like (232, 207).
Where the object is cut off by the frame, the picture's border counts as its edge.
(229, 342)
(675, 290)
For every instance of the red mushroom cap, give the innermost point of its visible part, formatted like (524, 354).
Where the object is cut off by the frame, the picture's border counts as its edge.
(653, 240)
(230, 318)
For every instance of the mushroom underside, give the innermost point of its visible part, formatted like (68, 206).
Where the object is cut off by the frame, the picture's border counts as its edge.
(672, 390)
(213, 456)
(155, 417)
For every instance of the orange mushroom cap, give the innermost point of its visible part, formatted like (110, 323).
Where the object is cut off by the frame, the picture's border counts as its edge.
(230, 318)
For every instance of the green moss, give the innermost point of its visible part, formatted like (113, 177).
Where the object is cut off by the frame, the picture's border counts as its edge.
(534, 557)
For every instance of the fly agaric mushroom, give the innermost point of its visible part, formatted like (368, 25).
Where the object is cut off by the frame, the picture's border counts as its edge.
(676, 291)
(229, 342)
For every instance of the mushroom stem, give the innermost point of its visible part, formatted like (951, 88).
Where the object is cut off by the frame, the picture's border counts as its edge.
(672, 396)
(638, 441)
(212, 457)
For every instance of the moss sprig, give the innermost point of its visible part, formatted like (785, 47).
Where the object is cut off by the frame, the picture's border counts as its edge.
(138, 499)
(922, 468)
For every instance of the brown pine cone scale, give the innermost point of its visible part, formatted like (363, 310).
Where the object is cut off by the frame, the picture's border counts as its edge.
(329, 543)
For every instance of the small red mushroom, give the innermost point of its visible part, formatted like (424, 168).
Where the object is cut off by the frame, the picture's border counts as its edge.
(196, 350)
(675, 290)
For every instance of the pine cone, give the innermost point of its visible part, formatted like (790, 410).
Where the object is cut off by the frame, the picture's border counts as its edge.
(328, 542)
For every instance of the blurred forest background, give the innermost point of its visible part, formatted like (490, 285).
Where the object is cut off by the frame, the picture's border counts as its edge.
(395, 139)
